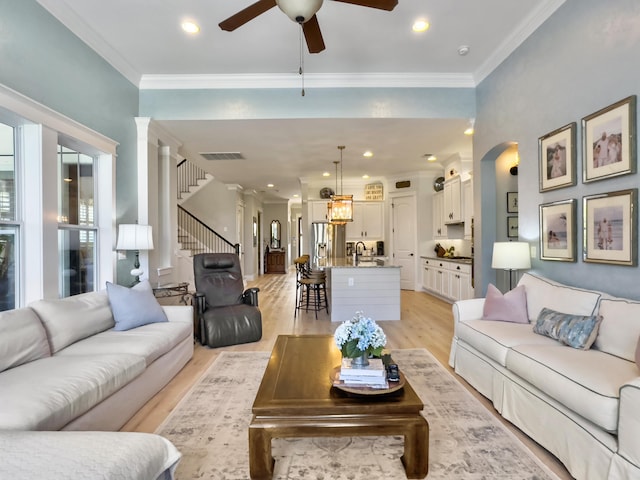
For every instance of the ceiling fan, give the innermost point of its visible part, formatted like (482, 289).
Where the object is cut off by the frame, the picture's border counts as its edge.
(300, 11)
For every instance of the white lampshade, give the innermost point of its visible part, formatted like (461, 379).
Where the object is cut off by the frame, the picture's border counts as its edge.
(511, 256)
(134, 237)
(295, 9)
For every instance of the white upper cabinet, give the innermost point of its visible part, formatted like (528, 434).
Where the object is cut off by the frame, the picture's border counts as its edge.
(368, 221)
(453, 200)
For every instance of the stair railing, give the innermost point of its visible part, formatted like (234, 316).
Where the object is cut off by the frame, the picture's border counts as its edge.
(189, 174)
(196, 236)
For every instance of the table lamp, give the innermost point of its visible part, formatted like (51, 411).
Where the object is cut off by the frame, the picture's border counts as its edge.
(511, 256)
(135, 237)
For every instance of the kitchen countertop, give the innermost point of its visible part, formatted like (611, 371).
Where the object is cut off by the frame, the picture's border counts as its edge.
(347, 262)
(465, 260)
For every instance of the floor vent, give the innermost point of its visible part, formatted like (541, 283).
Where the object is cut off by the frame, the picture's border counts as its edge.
(222, 155)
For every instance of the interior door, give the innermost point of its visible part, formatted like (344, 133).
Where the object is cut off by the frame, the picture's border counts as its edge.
(404, 239)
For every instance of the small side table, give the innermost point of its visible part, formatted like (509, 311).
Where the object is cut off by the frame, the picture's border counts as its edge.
(173, 290)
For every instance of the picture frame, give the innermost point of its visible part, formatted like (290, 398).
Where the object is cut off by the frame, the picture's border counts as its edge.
(512, 227)
(558, 231)
(512, 202)
(610, 228)
(609, 141)
(557, 158)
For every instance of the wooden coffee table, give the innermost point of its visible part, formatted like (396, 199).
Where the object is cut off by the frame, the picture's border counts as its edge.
(296, 399)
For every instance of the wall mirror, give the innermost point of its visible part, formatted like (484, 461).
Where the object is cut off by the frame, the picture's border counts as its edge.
(275, 234)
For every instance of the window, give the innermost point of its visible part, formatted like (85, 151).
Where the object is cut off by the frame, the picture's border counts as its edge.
(76, 228)
(9, 228)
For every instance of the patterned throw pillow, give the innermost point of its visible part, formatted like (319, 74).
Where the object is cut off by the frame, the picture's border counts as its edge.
(577, 331)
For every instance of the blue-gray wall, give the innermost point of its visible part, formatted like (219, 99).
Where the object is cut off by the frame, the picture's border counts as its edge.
(44, 61)
(583, 58)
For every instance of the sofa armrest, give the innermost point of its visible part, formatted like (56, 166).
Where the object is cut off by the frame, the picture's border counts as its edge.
(250, 296)
(470, 309)
(467, 310)
(629, 422)
(179, 313)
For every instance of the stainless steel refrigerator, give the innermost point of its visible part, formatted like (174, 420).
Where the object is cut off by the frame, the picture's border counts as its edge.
(327, 241)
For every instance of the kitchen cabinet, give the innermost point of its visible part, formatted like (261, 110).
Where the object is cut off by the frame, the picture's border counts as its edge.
(467, 207)
(447, 279)
(368, 222)
(318, 211)
(439, 228)
(453, 200)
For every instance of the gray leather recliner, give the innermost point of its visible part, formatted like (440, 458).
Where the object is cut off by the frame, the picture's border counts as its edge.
(227, 314)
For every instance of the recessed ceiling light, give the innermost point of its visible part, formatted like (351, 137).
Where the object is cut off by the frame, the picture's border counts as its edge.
(368, 154)
(420, 25)
(270, 185)
(463, 50)
(326, 174)
(295, 195)
(430, 157)
(190, 27)
(469, 131)
(365, 176)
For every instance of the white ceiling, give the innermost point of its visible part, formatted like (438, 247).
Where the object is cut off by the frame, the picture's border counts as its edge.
(144, 41)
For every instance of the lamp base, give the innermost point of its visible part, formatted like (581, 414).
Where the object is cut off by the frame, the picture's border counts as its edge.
(137, 271)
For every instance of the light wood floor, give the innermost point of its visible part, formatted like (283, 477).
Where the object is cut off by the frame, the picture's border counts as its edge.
(427, 322)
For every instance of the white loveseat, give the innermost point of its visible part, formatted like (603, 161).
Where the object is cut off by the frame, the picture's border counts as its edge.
(581, 405)
(63, 366)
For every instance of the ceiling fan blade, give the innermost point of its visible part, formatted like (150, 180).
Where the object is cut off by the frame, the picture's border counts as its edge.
(246, 15)
(380, 4)
(313, 35)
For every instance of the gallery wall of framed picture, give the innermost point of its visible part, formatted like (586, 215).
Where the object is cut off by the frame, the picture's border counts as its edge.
(609, 219)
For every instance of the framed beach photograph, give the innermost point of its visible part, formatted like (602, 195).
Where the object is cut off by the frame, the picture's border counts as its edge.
(610, 224)
(512, 202)
(557, 158)
(558, 231)
(512, 227)
(609, 141)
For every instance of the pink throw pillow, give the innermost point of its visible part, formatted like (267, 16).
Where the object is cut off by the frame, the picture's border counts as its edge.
(510, 307)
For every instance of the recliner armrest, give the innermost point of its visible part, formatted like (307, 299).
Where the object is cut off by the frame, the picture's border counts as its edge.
(250, 296)
(199, 302)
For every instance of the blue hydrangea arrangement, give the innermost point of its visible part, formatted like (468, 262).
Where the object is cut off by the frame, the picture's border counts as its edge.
(360, 336)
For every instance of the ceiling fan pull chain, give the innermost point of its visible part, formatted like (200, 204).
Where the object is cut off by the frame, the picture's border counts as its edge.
(301, 69)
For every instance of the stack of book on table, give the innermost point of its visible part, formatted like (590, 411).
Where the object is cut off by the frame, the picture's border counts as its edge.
(373, 375)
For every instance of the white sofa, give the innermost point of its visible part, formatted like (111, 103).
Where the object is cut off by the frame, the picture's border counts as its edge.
(64, 367)
(581, 405)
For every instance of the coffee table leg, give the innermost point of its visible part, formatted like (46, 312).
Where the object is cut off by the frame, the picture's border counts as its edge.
(416, 449)
(260, 460)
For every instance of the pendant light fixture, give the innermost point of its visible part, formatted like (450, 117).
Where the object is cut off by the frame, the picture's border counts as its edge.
(340, 206)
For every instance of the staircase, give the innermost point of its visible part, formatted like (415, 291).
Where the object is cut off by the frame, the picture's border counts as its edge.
(194, 236)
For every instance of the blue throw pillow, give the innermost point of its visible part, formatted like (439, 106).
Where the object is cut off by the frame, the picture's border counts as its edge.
(577, 331)
(134, 307)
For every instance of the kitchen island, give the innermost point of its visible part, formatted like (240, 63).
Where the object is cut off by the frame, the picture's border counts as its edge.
(371, 286)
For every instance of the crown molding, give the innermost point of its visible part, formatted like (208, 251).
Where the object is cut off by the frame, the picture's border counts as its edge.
(70, 19)
(528, 25)
(293, 80)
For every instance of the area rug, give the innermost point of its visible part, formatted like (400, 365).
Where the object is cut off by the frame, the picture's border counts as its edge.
(466, 442)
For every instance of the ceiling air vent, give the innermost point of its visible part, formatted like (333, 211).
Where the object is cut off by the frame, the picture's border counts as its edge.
(222, 155)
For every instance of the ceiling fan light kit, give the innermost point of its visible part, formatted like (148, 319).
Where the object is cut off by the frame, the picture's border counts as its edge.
(300, 11)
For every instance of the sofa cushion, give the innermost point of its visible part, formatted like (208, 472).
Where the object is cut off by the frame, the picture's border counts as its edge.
(585, 381)
(47, 394)
(510, 307)
(149, 341)
(134, 307)
(495, 338)
(22, 338)
(577, 331)
(70, 319)
(542, 292)
(620, 328)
